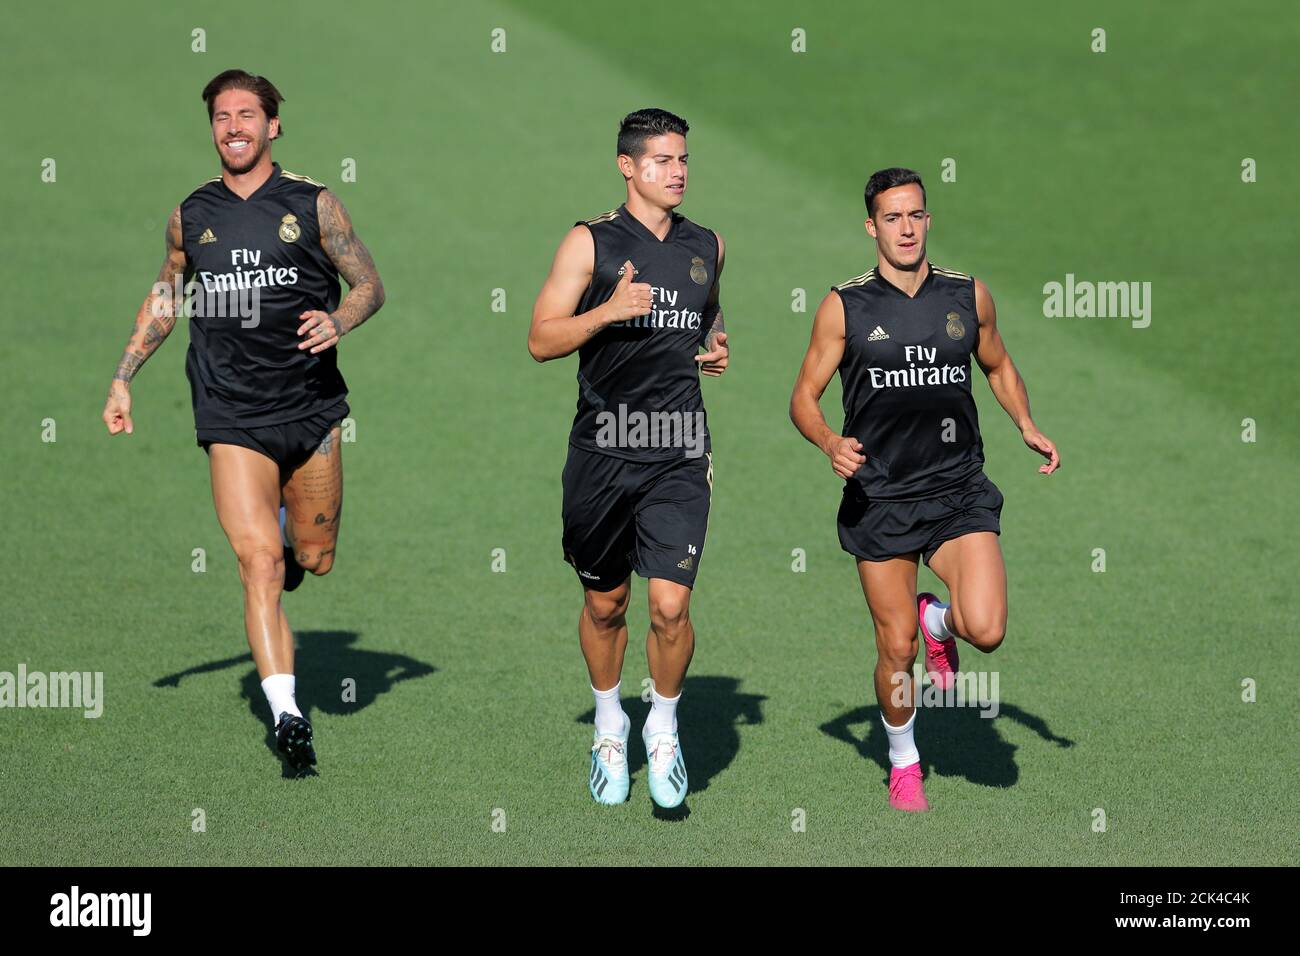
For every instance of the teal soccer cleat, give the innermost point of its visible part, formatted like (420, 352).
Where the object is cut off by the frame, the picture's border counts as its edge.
(609, 779)
(667, 769)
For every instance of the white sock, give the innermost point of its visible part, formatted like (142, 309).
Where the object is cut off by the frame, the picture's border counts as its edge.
(609, 712)
(663, 714)
(279, 689)
(934, 621)
(902, 748)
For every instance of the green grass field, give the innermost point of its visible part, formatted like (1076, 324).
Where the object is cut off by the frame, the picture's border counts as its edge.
(1120, 690)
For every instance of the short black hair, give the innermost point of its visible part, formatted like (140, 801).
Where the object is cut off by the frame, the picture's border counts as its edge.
(888, 179)
(259, 86)
(637, 127)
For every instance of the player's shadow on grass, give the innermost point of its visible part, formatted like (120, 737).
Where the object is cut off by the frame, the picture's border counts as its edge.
(953, 741)
(711, 710)
(323, 660)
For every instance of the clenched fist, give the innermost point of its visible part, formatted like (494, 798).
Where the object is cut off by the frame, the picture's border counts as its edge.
(845, 455)
(117, 410)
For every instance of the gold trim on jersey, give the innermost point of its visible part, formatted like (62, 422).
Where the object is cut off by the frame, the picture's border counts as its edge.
(603, 217)
(299, 178)
(863, 279)
(950, 273)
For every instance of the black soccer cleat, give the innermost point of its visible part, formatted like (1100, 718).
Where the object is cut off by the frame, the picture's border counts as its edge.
(293, 571)
(293, 740)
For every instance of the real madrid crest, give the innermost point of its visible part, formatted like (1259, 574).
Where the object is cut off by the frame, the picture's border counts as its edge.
(955, 329)
(289, 228)
(699, 274)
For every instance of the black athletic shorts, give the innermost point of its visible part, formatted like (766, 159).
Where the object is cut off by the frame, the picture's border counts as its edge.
(621, 516)
(288, 444)
(879, 530)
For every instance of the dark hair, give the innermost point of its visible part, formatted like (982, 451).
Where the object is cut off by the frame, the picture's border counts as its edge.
(887, 179)
(637, 127)
(241, 80)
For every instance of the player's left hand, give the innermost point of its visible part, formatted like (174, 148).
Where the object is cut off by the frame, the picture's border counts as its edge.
(1045, 447)
(322, 331)
(714, 361)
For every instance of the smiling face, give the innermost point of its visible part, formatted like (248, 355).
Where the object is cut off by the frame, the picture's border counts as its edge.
(658, 174)
(899, 226)
(240, 130)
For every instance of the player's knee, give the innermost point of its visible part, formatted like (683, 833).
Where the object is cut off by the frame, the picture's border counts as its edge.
(606, 617)
(607, 610)
(261, 568)
(986, 634)
(317, 560)
(897, 644)
(669, 614)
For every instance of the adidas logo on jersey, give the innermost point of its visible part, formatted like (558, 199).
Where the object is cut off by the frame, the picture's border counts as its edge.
(207, 237)
(877, 335)
(686, 563)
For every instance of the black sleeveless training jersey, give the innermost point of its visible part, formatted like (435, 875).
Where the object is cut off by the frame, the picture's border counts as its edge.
(906, 376)
(645, 366)
(246, 370)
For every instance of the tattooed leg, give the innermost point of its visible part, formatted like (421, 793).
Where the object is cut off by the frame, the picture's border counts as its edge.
(313, 501)
(245, 489)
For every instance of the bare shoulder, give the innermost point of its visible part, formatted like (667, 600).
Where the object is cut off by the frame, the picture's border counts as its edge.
(577, 250)
(830, 314)
(331, 213)
(175, 259)
(984, 307)
(579, 237)
(175, 236)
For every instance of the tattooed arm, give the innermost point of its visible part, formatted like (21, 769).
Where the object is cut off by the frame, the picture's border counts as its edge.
(713, 361)
(153, 323)
(351, 257)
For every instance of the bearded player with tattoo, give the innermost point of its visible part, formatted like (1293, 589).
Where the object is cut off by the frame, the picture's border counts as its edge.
(258, 252)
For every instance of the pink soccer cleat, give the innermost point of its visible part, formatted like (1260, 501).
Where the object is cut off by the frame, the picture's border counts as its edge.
(905, 789)
(940, 656)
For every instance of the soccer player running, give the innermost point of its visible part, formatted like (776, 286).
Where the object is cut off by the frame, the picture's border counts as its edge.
(901, 336)
(634, 292)
(264, 249)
